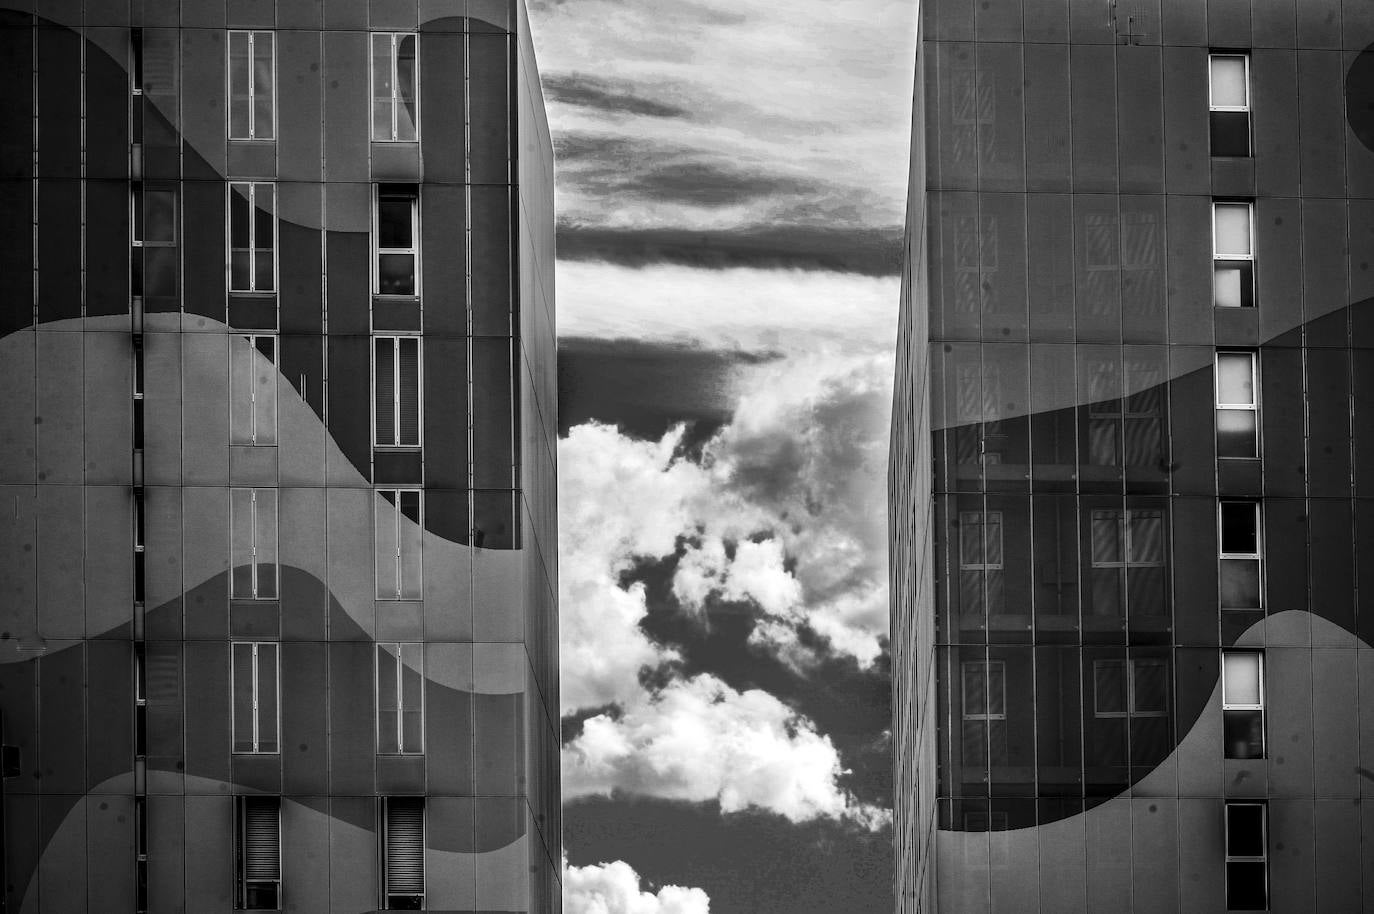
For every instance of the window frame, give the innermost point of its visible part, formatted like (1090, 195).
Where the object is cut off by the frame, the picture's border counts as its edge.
(252, 92)
(398, 655)
(385, 861)
(413, 251)
(395, 444)
(1128, 665)
(256, 590)
(397, 514)
(1247, 707)
(252, 248)
(256, 686)
(1257, 509)
(1123, 518)
(1214, 109)
(1245, 261)
(1253, 406)
(1245, 59)
(255, 438)
(983, 519)
(393, 60)
(986, 665)
(241, 879)
(1231, 858)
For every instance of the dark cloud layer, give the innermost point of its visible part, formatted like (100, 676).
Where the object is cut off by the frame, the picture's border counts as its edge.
(870, 252)
(605, 95)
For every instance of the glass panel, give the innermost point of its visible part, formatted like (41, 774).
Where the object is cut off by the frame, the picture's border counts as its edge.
(384, 390)
(159, 216)
(396, 274)
(1151, 695)
(1147, 537)
(394, 215)
(241, 271)
(1241, 679)
(1106, 537)
(381, 87)
(238, 85)
(970, 539)
(267, 698)
(239, 226)
(1109, 682)
(264, 217)
(1244, 830)
(1231, 286)
(1230, 133)
(263, 279)
(1246, 887)
(992, 539)
(997, 688)
(241, 542)
(412, 544)
(1243, 733)
(265, 391)
(406, 117)
(266, 542)
(1232, 230)
(263, 94)
(1228, 82)
(243, 697)
(1235, 433)
(387, 695)
(412, 698)
(1235, 379)
(241, 358)
(1239, 533)
(408, 418)
(975, 689)
(1240, 584)
(387, 588)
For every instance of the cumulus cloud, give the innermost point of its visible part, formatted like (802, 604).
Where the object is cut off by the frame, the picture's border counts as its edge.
(699, 740)
(613, 888)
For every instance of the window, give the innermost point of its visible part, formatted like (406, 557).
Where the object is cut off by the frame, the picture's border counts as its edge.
(253, 543)
(400, 542)
(396, 391)
(1237, 405)
(395, 230)
(980, 562)
(1247, 857)
(252, 82)
(403, 853)
(257, 877)
(984, 712)
(255, 697)
(400, 699)
(253, 389)
(1128, 558)
(1126, 430)
(252, 234)
(1229, 100)
(153, 234)
(395, 105)
(1242, 702)
(1233, 255)
(1238, 525)
(1138, 687)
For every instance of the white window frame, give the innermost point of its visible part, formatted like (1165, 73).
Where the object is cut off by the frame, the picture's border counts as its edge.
(395, 649)
(252, 393)
(1211, 103)
(982, 519)
(1226, 703)
(1253, 404)
(256, 680)
(1128, 666)
(396, 390)
(381, 503)
(986, 666)
(1240, 858)
(241, 879)
(1123, 517)
(256, 588)
(378, 250)
(1258, 554)
(395, 86)
(252, 92)
(252, 197)
(1217, 256)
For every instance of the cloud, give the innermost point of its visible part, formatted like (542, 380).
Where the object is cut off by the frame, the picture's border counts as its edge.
(612, 96)
(869, 252)
(699, 740)
(613, 888)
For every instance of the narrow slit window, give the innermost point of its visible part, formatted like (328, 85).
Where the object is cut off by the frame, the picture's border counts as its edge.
(1242, 702)
(258, 869)
(400, 699)
(252, 237)
(395, 233)
(256, 708)
(396, 373)
(1247, 857)
(1229, 103)
(253, 389)
(395, 101)
(399, 544)
(1237, 405)
(403, 853)
(252, 85)
(1241, 554)
(1233, 255)
(253, 544)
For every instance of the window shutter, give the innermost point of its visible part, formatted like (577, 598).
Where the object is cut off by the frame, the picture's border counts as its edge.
(405, 846)
(384, 390)
(261, 832)
(409, 419)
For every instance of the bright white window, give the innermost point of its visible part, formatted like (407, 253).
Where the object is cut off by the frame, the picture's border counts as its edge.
(256, 710)
(252, 82)
(1242, 702)
(1229, 103)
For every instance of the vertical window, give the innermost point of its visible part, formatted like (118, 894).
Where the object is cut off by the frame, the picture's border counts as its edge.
(258, 865)
(396, 391)
(400, 699)
(252, 237)
(253, 543)
(400, 542)
(980, 562)
(395, 106)
(1247, 857)
(1138, 687)
(1229, 100)
(403, 853)
(1237, 405)
(1239, 525)
(255, 697)
(252, 86)
(1242, 702)
(395, 230)
(153, 234)
(140, 855)
(253, 389)
(984, 712)
(1128, 551)
(1233, 255)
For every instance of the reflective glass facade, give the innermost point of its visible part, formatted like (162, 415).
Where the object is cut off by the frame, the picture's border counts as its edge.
(279, 568)
(1129, 575)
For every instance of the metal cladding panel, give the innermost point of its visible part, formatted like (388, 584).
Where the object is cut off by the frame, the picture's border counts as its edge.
(59, 250)
(109, 847)
(60, 886)
(207, 691)
(59, 103)
(352, 740)
(346, 93)
(61, 562)
(109, 715)
(444, 105)
(305, 718)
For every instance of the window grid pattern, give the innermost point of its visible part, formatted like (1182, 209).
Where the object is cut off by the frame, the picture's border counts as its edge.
(252, 85)
(395, 101)
(396, 391)
(252, 236)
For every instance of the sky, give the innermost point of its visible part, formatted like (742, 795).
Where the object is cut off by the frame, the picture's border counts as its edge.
(731, 188)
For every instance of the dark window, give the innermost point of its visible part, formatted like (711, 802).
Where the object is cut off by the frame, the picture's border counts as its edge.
(1239, 523)
(403, 853)
(396, 231)
(1229, 101)
(258, 876)
(1242, 702)
(1247, 857)
(396, 391)
(252, 237)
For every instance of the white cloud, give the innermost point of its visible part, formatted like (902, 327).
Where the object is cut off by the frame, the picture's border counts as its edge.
(613, 888)
(698, 740)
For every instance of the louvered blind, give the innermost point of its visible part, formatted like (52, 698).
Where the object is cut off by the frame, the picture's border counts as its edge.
(405, 846)
(409, 400)
(261, 847)
(384, 390)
